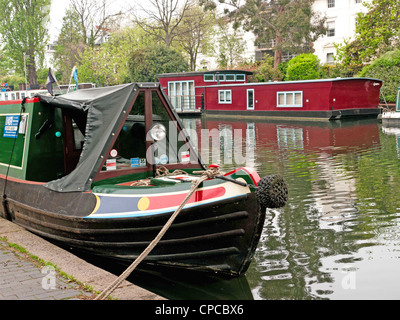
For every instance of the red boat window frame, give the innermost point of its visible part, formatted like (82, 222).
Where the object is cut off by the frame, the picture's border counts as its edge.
(148, 106)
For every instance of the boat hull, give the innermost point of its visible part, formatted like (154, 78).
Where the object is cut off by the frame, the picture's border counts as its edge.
(216, 237)
(321, 114)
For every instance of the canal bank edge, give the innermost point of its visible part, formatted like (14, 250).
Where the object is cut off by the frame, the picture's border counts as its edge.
(79, 269)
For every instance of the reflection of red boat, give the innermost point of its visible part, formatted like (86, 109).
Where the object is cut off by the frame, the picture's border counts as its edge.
(333, 137)
(325, 98)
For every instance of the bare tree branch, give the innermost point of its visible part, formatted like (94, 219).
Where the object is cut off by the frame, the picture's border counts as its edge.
(95, 16)
(162, 18)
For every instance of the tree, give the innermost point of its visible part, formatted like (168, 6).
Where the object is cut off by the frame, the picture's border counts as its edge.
(386, 68)
(266, 71)
(230, 46)
(24, 33)
(96, 19)
(377, 32)
(285, 25)
(162, 18)
(4, 64)
(146, 63)
(108, 63)
(195, 33)
(303, 67)
(70, 44)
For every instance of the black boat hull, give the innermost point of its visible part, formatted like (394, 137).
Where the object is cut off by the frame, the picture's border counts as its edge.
(220, 237)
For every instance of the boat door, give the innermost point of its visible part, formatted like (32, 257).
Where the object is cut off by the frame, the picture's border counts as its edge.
(250, 99)
(73, 143)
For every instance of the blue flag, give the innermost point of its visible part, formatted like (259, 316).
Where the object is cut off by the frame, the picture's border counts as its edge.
(75, 75)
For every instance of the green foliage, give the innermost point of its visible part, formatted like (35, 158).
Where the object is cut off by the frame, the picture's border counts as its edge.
(195, 33)
(230, 46)
(70, 45)
(42, 76)
(377, 32)
(12, 80)
(23, 30)
(93, 67)
(291, 24)
(283, 68)
(303, 67)
(333, 71)
(108, 64)
(146, 63)
(386, 68)
(266, 71)
(348, 54)
(4, 64)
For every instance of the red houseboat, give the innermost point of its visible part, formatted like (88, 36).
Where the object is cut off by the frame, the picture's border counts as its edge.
(228, 92)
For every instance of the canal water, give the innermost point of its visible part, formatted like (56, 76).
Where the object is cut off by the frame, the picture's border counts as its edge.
(338, 236)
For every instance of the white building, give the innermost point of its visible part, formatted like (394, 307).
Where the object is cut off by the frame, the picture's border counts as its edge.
(49, 55)
(341, 21)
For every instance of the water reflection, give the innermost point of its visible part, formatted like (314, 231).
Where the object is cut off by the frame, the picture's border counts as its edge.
(189, 285)
(338, 234)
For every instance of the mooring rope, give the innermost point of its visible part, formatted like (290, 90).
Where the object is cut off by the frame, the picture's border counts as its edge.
(210, 173)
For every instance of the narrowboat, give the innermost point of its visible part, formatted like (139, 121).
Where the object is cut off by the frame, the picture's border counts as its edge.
(83, 171)
(329, 99)
(7, 93)
(392, 117)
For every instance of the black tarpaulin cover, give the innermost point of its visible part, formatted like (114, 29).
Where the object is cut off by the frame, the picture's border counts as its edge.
(104, 108)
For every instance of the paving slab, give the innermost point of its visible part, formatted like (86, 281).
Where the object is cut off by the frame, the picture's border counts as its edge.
(22, 278)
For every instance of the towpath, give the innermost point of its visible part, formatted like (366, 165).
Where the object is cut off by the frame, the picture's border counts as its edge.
(23, 276)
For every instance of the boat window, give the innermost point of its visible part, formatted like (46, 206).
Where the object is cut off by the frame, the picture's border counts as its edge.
(289, 99)
(182, 94)
(129, 149)
(170, 149)
(224, 96)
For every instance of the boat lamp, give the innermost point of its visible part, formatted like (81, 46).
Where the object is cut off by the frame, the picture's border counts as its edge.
(157, 132)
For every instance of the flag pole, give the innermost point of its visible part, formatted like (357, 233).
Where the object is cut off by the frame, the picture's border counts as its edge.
(59, 88)
(70, 78)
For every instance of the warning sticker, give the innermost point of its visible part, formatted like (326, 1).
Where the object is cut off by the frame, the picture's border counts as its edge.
(142, 162)
(134, 162)
(11, 126)
(185, 157)
(111, 164)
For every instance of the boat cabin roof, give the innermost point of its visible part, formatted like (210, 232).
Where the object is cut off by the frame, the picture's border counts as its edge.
(200, 73)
